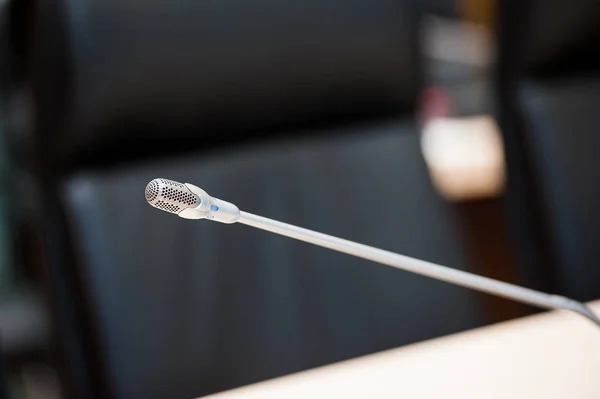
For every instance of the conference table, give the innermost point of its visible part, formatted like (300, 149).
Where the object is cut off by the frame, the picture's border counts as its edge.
(549, 355)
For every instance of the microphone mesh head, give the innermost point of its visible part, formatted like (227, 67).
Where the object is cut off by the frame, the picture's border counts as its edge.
(170, 195)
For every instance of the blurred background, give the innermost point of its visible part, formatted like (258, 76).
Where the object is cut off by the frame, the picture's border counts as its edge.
(473, 123)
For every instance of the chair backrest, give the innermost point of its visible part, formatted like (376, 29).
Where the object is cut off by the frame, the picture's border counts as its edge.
(548, 85)
(120, 82)
(3, 385)
(190, 74)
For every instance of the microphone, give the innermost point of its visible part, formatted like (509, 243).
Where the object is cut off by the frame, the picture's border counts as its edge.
(191, 202)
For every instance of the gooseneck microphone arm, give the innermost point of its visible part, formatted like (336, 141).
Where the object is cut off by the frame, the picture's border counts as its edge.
(438, 272)
(177, 198)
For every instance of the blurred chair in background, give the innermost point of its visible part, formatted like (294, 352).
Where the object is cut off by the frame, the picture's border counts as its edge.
(303, 112)
(3, 385)
(548, 90)
(461, 142)
(24, 337)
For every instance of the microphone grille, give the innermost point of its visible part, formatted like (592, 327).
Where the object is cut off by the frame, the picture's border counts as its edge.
(170, 196)
(152, 191)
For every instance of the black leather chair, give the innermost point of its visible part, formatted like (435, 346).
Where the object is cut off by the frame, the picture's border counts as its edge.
(548, 86)
(300, 111)
(3, 385)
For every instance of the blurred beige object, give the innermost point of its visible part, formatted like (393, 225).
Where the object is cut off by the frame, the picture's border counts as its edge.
(457, 41)
(554, 355)
(465, 157)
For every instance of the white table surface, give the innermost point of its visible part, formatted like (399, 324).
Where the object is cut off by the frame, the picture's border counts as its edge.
(551, 355)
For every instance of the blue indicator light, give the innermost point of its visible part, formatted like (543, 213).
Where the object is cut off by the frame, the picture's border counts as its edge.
(214, 208)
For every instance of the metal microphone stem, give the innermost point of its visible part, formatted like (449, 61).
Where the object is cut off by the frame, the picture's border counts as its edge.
(429, 269)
